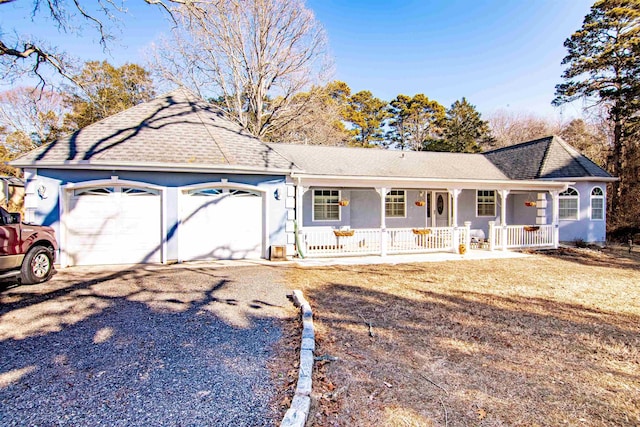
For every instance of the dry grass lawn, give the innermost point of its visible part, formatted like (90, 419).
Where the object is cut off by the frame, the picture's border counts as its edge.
(545, 340)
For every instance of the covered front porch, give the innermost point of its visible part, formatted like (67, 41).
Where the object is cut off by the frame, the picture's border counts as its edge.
(409, 217)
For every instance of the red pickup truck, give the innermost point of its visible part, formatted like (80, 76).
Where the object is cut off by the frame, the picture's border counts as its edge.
(27, 251)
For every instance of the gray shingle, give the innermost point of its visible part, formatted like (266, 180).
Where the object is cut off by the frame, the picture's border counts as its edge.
(371, 162)
(548, 157)
(175, 128)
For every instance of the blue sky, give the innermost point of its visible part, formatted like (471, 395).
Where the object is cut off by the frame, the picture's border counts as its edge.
(499, 54)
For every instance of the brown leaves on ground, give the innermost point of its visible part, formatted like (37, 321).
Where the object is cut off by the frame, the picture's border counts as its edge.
(543, 340)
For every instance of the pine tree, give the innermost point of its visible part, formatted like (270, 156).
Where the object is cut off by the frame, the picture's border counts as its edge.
(603, 65)
(414, 121)
(464, 130)
(106, 90)
(366, 114)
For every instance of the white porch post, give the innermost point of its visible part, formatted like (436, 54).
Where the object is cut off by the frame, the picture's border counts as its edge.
(503, 217)
(383, 220)
(454, 217)
(467, 235)
(299, 215)
(433, 209)
(299, 198)
(427, 206)
(492, 235)
(555, 196)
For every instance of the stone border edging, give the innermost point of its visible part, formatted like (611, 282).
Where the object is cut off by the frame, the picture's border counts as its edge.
(297, 414)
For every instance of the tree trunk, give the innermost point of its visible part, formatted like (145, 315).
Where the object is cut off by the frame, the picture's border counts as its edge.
(615, 162)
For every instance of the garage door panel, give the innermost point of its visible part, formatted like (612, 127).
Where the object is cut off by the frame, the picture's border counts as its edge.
(112, 227)
(221, 225)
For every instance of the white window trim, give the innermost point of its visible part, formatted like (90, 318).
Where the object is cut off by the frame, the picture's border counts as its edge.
(604, 206)
(495, 205)
(404, 202)
(313, 205)
(577, 198)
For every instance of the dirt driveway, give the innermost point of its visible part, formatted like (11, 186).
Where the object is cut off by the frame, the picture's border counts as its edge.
(158, 345)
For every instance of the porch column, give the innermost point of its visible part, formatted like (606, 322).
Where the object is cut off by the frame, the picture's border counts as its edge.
(433, 209)
(555, 209)
(383, 220)
(454, 217)
(299, 216)
(492, 235)
(503, 217)
(299, 198)
(467, 235)
(454, 206)
(427, 206)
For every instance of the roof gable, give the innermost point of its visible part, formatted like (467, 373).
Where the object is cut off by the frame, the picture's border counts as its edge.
(175, 128)
(544, 158)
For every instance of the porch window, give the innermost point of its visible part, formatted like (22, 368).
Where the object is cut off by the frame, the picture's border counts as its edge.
(597, 204)
(568, 204)
(325, 205)
(395, 203)
(486, 203)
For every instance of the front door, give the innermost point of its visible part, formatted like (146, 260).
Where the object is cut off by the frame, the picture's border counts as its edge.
(441, 209)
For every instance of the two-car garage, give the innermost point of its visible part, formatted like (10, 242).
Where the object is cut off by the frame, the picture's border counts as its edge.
(124, 223)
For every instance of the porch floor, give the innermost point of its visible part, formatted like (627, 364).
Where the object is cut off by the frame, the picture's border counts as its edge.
(473, 254)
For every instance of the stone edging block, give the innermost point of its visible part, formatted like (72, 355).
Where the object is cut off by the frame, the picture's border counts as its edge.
(298, 413)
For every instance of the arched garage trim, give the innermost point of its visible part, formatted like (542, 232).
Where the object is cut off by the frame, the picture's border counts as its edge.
(228, 186)
(67, 190)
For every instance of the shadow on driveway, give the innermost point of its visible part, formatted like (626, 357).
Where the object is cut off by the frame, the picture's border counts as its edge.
(145, 346)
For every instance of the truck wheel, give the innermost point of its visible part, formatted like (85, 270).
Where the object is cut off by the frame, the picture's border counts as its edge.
(37, 266)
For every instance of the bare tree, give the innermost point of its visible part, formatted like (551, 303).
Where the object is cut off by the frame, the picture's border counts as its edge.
(252, 56)
(320, 117)
(589, 138)
(512, 128)
(30, 56)
(30, 117)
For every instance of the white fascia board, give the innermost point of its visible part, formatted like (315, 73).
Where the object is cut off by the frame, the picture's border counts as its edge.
(152, 167)
(584, 179)
(422, 183)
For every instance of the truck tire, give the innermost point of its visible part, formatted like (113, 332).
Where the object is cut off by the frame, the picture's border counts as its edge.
(37, 266)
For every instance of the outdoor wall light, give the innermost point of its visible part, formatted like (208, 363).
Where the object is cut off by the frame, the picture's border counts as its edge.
(276, 194)
(42, 191)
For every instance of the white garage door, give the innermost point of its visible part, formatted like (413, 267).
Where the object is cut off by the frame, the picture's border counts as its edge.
(113, 225)
(220, 224)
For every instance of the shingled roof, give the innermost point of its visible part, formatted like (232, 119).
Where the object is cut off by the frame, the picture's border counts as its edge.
(174, 130)
(544, 158)
(371, 162)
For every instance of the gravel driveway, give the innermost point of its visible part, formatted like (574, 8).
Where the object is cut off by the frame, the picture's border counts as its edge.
(184, 345)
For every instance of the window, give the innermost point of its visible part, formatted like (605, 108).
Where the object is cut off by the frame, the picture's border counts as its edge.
(395, 204)
(205, 192)
(597, 204)
(94, 191)
(220, 191)
(325, 205)
(486, 203)
(569, 204)
(139, 191)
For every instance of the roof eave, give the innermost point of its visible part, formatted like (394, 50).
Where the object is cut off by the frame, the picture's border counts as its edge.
(151, 167)
(417, 182)
(583, 179)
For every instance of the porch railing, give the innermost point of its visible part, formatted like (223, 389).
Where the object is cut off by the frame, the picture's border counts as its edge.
(372, 241)
(324, 242)
(521, 236)
(406, 240)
